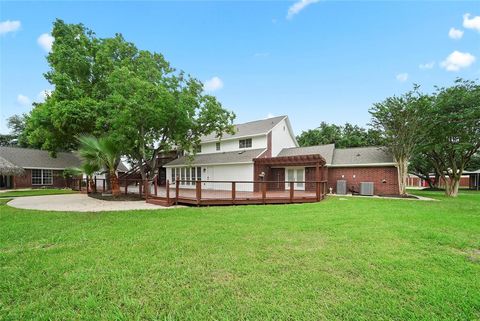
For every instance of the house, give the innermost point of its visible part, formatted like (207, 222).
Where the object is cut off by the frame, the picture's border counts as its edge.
(266, 150)
(26, 167)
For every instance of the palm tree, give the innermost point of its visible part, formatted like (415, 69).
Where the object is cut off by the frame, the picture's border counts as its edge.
(88, 169)
(103, 153)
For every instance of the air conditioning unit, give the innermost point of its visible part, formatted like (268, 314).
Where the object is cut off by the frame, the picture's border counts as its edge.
(366, 188)
(341, 187)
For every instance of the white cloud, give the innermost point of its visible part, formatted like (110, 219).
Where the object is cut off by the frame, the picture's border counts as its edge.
(299, 6)
(215, 83)
(45, 41)
(270, 115)
(458, 60)
(428, 65)
(43, 95)
(23, 100)
(455, 33)
(9, 26)
(473, 23)
(402, 77)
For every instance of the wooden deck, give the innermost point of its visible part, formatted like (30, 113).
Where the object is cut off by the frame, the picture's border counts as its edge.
(196, 195)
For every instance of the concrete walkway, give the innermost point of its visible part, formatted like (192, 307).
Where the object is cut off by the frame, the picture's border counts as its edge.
(78, 203)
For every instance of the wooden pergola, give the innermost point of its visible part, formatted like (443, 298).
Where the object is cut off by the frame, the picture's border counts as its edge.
(313, 160)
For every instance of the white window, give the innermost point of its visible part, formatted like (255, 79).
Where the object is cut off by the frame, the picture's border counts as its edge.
(296, 175)
(198, 149)
(42, 177)
(217, 146)
(245, 143)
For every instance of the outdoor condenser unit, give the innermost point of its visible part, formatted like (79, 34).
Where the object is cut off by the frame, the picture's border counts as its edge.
(366, 188)
(341, 187)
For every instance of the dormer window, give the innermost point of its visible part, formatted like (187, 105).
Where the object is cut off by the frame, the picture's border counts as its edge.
(245, 143)
(217, 146)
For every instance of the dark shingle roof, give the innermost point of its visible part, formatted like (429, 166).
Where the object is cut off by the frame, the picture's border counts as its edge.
(362, 156)
(35, 158)
(326, 151)
(243, 156)
(346, 156)
(252, 128)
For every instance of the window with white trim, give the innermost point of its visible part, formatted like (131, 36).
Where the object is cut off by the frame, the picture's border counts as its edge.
(245, 143)
(42, 177)
(217, 146)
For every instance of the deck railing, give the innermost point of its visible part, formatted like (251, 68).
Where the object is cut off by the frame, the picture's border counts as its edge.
(199, 192)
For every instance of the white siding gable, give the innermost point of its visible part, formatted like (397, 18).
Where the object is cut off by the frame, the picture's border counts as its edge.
(282, 137)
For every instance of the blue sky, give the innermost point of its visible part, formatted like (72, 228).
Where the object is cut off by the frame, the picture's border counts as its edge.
(312, 60)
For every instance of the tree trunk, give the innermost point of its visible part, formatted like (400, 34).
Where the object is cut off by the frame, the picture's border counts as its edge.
(91, 183)
(437, 180)
(451, 186)
(402, 170)
(115, 184)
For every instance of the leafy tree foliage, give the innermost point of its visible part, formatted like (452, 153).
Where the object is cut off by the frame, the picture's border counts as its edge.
(16, 124)
(401, 120)
(106, 86)
(342, 136)
(453, 131)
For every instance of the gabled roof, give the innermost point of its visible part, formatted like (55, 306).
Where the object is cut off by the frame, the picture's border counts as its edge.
(253, 128)
(362, 156)
(326, 151)
(344, 156)
(35, 158)
(235, 157)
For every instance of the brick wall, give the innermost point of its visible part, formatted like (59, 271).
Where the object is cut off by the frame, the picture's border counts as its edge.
(384, 178)
(26, 180)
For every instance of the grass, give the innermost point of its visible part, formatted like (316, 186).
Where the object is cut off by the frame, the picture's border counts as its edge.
(341, 259)
(36, 192)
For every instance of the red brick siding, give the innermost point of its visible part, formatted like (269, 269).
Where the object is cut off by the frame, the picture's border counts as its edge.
(366, 174)
(26, 180)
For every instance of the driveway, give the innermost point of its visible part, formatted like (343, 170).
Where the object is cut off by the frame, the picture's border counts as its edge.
(79, 203)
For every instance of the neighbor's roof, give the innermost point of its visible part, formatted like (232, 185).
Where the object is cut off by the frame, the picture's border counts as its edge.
(35, 158)
(326, 151)
(362, 156)
(243, 156)
(252, 128)
(9, 169)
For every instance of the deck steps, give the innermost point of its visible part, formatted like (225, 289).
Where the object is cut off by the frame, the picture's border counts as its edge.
(160, 201)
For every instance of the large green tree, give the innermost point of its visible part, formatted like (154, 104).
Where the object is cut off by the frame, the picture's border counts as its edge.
(453, 131)
(342, 136)
(401, 119)
(106, 86)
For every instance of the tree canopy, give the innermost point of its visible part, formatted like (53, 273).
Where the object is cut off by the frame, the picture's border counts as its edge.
(342, 136)
(107, 86)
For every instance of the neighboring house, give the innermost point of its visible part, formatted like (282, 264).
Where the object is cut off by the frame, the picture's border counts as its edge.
(25, 167)
(267, 150)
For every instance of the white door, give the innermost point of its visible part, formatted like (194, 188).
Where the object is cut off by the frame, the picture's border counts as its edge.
(297, 175)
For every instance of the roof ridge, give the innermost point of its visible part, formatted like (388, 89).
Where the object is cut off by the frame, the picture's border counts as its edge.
(259, 120)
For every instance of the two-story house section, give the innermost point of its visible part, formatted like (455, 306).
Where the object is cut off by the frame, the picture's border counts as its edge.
(230, 158)
(266, 150)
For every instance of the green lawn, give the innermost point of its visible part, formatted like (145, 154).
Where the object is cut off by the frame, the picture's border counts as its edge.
(36, 192)
(341, 259)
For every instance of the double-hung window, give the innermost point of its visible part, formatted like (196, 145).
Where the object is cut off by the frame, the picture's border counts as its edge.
(217, 146)
(245, 143)
(42, 177)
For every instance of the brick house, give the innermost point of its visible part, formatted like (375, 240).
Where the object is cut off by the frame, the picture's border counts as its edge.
(33, 168)
(267, 150)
